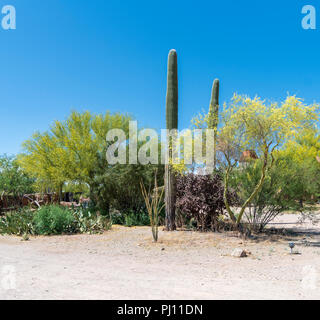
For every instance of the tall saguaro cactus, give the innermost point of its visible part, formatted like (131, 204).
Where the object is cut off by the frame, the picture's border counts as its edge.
(172, 123)
(214, 116)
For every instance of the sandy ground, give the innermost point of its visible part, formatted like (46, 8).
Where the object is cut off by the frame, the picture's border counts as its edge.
(124, 263)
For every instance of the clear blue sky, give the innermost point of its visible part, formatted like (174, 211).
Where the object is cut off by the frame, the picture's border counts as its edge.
(103, 55)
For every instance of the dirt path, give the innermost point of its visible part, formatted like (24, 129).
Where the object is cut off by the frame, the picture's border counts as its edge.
(124, 264)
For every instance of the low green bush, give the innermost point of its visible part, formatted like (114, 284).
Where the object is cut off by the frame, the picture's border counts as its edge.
(54, 220)
(131, 218)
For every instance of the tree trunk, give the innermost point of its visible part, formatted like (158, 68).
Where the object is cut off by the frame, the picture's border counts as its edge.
(225, 195)
(257, 188)
(60, 192)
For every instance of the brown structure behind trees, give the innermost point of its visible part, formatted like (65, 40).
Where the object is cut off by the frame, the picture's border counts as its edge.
(9, 202)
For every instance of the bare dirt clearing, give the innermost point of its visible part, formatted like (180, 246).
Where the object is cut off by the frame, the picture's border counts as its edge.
(124, 263)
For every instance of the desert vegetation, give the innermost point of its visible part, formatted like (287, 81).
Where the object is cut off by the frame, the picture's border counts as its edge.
(265, 163)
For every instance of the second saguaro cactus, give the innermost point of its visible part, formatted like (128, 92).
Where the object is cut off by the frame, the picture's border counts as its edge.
(172, 123)
(214, 116)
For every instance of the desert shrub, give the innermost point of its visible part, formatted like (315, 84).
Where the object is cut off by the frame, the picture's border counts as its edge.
(117, 217)
(200, 199)
(17, 223)
(90, 221)
(131, 218)
(140, 218)
(54, 220)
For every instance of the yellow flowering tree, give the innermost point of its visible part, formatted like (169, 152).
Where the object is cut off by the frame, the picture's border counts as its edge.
(45, 160)
(254, 124)
(69, 151)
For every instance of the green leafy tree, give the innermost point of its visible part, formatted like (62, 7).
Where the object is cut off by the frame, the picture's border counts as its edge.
(13, 180)
(118, 186)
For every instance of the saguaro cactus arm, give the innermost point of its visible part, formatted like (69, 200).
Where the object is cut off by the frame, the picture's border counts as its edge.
(214, 115)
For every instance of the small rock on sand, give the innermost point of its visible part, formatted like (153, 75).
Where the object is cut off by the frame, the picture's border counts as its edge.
(239, 253)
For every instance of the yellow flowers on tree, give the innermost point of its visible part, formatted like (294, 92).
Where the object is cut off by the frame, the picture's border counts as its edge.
(306, 146)
(254, 124)
(45, 160)
(301, 158)
(69, 151)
